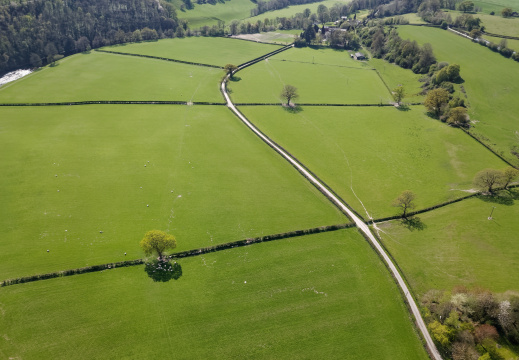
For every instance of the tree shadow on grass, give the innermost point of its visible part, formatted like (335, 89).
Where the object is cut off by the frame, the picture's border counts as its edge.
(293, 109)
(501, 197)
(414, 223)
(163, 270)
(235, 78)
(403, 107)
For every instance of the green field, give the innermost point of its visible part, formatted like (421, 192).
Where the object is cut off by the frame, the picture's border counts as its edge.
(279, 37)
(320, 296)
(101, 76)
(496, 5)
(205, 50)
(378, 153)
(208, 15)
(459, 246)
(208, 181)
(316, 82)
(491, 83)
(510, 43)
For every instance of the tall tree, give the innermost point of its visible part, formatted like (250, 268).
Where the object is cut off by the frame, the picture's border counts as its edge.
(398, 94)
(405, 202)
(458, 116)
(156, 241)
(435, 99)
(288, 93)
(488, 178)
(230, 69)
(509, 175)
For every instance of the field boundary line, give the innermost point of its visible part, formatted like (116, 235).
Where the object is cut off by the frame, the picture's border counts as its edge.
(489, 148)
(159, 58)
(115, 102)
(255, 41)
(372, 240)
(321, 104)
(179, 255)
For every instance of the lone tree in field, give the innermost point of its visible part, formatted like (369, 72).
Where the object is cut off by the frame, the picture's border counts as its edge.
(156, 241)
(509, 175)
(230, 69)
(488, 178)
(288, 93)
(398, 94)
(405, 202)
(435, 99)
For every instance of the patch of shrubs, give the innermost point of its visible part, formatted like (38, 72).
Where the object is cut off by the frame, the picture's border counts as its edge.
(471, 324)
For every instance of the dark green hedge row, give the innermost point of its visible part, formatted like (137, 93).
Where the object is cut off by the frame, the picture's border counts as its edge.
(260, 239)
(501, 36)
(259, 58)
(161, 58)
(259, 42)
(488, 147)
(70, 272)
(115, 102)
(179, 255)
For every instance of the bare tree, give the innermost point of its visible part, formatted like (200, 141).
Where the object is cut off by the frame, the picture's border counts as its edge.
(405, 202)
(288, 93)
(488, 178)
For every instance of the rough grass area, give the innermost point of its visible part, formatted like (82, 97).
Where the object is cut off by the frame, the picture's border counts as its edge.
(324, 296)
(316, 82)
(101, 76)
(208, 15)
(370, 155)
(491, 83)
(458, 245)
(205, 50)
(70, 173)
(394, 76)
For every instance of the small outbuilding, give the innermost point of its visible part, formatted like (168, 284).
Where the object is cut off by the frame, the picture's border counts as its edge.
(359, 56)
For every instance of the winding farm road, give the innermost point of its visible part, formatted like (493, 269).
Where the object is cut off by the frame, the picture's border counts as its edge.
(431, 347)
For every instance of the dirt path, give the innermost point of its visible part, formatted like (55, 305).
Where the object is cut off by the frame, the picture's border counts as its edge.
(431, 347)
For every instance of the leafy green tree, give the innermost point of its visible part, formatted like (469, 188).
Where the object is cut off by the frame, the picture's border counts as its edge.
(288, 93)
(156, 241)
(405, 202)
(510, 174)
(398, 94)
(507, 12)
(441, 333)
(435, 99)
(230, 69)
(35, 60)
(466, 6)
(488, 178)
(458, 117)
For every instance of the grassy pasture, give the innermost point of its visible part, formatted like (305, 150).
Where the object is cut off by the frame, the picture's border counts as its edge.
(70, 172)
(378, 152)
(316, 83)
(395, 76)
(495, 5)
(208, 15)
(283, 38)
(495, 23)
(460, 246)
(102, 76)
(320, 296)
(205, 50)
(510, 43)
(491, 83)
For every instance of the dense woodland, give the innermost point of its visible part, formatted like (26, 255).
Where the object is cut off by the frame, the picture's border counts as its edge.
(38, 32)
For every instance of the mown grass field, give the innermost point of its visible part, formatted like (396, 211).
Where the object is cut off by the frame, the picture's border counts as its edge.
(491, 83)
(277, 37)
(316, 82)
(376, 153)
(460, 246)
(205, 50)
(69, 173)
(320, 296)
(208, 15)
(101, 76)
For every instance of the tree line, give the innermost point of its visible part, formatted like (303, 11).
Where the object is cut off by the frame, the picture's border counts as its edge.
(39, 31)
